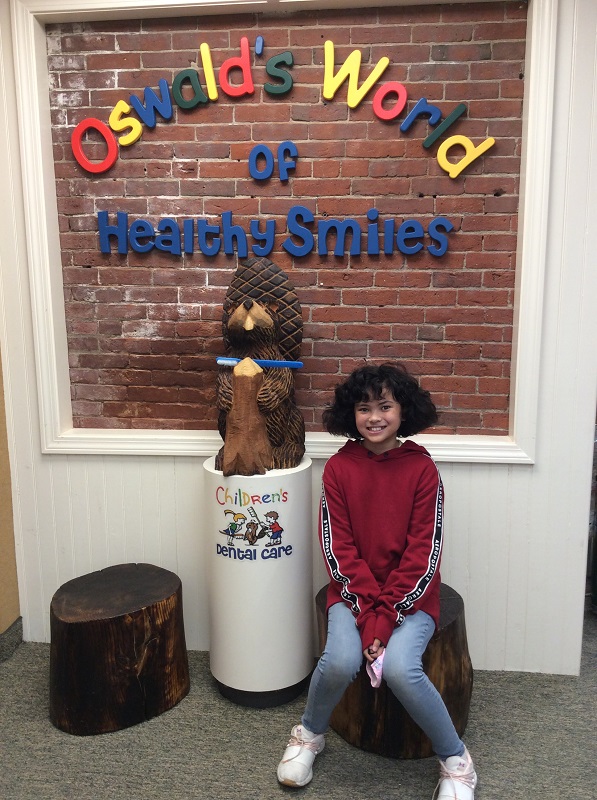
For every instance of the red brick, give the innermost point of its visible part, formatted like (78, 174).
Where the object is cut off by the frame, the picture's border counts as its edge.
(492, 402)
(342, 207)
(484, 297)
(500, 241)
(369, 297)
(109, 327)
(431, 333)
(99, 422)
(429, 297)
(443, 280)
(456, 420)
(342, 279)
(451, 383)
(405, 333)
(99, 392)
(491, 260)
(456, 314)
(338, 348)
(403, 279)
(362, 332)
(495, 280)
(495, 422)
(494, 385)
(452, 350)
(103, 361)
(393, 313)
(320, 331)
(173, 346)
(474, 333)
(395, 351)
(319, 296)
(501, 351)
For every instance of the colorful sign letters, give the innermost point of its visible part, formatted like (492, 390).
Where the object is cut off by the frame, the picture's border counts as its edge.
(129, 118)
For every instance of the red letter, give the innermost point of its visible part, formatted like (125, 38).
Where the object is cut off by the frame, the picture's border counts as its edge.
(110, 139)
(243, 63)
(380, 95)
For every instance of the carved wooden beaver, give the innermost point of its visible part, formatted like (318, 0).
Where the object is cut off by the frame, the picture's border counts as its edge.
(261, 320)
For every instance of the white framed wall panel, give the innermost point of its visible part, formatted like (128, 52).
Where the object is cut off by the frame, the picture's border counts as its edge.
(517, 507)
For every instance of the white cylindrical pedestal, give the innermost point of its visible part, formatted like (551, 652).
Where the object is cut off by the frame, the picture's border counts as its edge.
(258, 532)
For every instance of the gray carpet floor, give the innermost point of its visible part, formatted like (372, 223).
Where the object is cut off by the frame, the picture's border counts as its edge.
(532, 736)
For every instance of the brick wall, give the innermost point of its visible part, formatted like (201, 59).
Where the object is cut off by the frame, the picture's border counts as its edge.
(144, 328)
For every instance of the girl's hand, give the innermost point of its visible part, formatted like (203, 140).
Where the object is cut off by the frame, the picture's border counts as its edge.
(373, 651)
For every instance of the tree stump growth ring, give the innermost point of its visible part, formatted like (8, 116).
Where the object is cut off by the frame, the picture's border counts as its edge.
(374, 720)
(118, 653)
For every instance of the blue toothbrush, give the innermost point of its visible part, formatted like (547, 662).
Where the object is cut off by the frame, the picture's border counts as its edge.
(263, 362)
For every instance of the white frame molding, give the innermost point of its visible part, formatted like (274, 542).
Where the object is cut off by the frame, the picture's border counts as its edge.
(29, 18)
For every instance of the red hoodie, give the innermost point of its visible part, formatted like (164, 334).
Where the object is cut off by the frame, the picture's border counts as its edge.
(381, 534)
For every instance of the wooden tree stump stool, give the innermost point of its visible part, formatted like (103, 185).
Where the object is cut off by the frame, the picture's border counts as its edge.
(118, 653)
(374, 720)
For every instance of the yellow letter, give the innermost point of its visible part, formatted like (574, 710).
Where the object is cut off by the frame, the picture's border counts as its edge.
(118, 122)
(471, 153)
(208, 71)
(350, 69)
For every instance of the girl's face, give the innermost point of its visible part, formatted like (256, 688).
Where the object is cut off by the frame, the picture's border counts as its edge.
(378, 421)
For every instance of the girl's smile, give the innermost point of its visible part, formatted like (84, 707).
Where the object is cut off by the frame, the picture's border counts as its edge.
(378, 422)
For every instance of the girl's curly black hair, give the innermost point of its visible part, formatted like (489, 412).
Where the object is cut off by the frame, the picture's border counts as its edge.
(367, 383)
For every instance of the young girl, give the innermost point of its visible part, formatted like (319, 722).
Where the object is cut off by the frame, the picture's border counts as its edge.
(381, 536)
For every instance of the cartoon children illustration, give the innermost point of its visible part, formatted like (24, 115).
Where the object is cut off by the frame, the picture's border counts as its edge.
(275, 530)
(234, 529)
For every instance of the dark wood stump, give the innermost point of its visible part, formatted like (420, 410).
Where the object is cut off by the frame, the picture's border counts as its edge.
(374, 720)
(118, 653)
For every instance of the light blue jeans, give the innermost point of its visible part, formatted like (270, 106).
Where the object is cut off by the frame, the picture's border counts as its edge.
(402, 671)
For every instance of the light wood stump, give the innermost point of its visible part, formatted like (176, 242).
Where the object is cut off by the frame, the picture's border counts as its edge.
(247, 449)
(118, 654)
(374, 720)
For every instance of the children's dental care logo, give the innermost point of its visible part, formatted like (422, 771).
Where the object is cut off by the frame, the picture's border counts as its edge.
(252, 534)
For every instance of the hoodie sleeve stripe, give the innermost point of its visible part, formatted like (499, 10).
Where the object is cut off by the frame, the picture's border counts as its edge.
(433, 559)
(327, 538)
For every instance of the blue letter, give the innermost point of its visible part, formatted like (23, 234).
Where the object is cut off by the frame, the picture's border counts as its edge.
(169, 241)
(267, 237)
(303, 233)
(189, 234)
(119, 230)
(324, 227)
(372, 232)
(286, 148)
(388, 237)
(153, 103)
(140, 229)
(261, 150)
(409, 230)
(422, 107)
(435, 227)
(203, 229)
(232, 232)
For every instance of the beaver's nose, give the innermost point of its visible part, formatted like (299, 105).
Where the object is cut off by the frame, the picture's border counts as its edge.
(248, 304)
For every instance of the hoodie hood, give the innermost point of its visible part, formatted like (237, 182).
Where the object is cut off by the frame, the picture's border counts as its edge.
(355, 449)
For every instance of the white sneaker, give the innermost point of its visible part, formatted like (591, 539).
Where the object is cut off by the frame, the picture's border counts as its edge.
(457, 778)
(295, 769)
